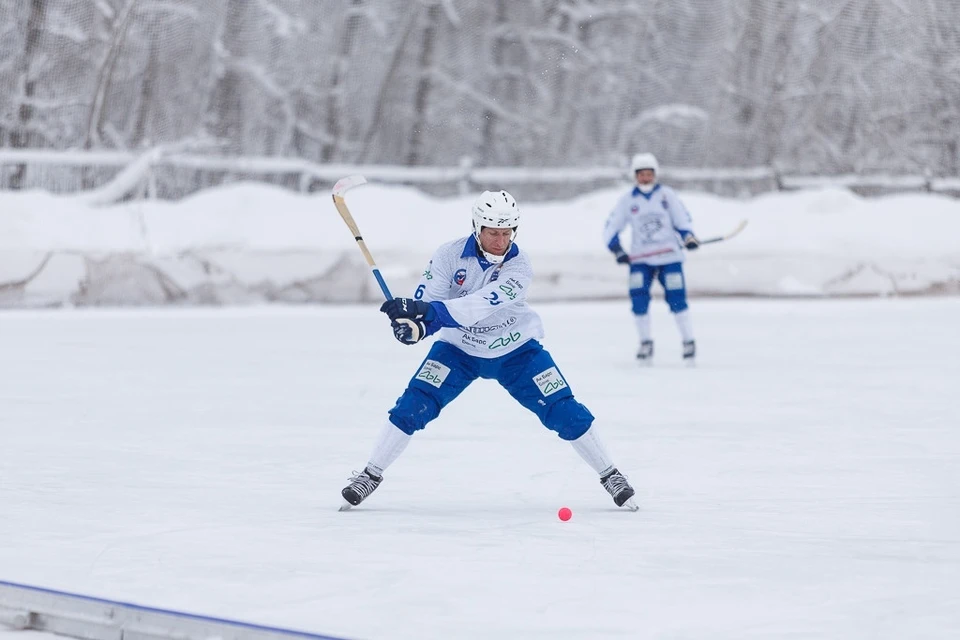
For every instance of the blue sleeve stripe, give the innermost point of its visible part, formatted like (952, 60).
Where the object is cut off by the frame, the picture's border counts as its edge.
(615, 244)
(442, 319)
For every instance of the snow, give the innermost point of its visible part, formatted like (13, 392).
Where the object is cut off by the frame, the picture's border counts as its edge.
(803, 481)
(26, 635)
(252, 243)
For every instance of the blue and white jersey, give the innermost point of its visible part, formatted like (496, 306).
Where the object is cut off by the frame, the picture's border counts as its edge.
(655, 219)
(481, 307)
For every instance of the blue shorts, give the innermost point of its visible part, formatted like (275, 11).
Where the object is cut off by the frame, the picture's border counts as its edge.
(529, 374)
(671, 279)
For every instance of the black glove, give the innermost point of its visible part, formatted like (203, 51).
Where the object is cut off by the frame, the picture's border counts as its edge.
(408, 308)
(689, 240)
(408, 331)
(622, 257)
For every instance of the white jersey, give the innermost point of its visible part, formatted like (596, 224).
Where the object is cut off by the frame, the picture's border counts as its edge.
(487, 301)
(654, 219)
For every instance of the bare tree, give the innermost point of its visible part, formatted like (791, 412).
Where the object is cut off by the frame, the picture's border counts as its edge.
(24, 134)
(819, 85)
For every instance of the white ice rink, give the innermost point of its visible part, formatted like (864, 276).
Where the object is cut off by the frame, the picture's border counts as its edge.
(802, 482)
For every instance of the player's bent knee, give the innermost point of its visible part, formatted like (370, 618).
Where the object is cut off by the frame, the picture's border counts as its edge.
(677, 300)
(568, 418)
(414, 409)
(640, 301)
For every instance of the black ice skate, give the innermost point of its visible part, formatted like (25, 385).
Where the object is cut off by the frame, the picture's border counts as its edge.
(617, 486)
(689, 352)
(361, 485)
(645, 354)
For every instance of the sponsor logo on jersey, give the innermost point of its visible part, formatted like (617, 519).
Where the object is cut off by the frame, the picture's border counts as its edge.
(496, 327)
(664, 203)
(433, 373)
(634, 208)
(472, 341)
(549, 381)
(460, 277)
(504, 340)
(508, 291)
(650, 227)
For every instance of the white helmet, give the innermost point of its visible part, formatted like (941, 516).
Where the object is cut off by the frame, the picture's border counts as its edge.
(646, 161)
(496, 209)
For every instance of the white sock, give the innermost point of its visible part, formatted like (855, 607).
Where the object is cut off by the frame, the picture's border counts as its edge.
(684, 324)
(643, 326)
(390, 445)
(592, 451)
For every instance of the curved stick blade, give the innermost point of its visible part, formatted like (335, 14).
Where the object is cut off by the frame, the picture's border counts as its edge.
(345, 184)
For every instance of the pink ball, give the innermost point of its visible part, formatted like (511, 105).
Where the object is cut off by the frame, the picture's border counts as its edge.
(564, 514)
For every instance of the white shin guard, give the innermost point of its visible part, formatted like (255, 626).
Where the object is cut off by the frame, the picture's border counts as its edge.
(643, 326)
(592, 451)
(684, 324)
(390, 444)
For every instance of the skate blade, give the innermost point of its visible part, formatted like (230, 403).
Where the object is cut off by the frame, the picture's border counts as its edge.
(346, 506)
(631, 505)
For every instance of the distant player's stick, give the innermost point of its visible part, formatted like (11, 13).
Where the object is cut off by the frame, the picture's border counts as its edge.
(740, 227)
(339, 189)
(650, 254)
(657, 252)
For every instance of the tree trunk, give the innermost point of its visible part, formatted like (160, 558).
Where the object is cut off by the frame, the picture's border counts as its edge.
(20, 137)
(422, 97)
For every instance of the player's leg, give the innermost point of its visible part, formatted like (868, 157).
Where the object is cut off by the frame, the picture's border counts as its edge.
(534, 380)
(641, 276)
(443, 375)
(675, 292)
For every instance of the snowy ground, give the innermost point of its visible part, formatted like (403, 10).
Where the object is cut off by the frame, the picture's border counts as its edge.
(802, 482)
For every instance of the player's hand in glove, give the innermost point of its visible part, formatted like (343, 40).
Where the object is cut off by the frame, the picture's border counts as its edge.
(689, 240)
(621, 256)
(408, 318)
(408, 331)
(408, 308)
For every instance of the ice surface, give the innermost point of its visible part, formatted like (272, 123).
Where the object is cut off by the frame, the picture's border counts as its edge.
(802, 482)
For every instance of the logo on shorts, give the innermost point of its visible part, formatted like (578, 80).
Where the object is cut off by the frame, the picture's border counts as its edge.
(433, 373)
(549, 381)
(460, 276)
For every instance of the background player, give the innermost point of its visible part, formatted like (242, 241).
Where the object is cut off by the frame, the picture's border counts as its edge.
(660, 227)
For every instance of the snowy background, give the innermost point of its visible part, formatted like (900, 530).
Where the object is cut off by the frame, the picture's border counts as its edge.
(252, 243)
(169, 438)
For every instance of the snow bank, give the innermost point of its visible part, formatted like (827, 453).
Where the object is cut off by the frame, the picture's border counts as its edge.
(251, 243)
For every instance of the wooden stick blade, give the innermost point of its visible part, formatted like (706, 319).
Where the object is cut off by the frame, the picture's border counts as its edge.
(740, 227)
(345, 184)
